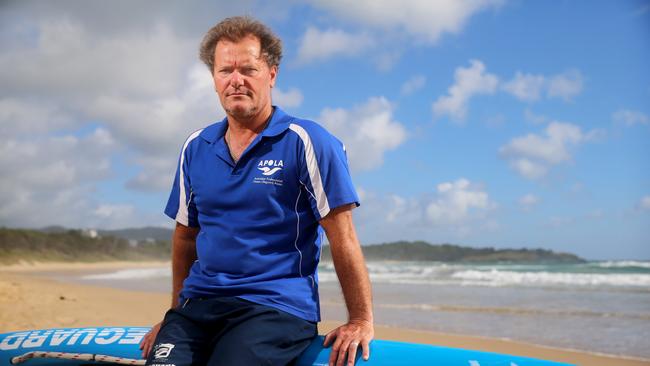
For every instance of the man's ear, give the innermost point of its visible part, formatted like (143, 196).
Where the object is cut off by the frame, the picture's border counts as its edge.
(274, 74)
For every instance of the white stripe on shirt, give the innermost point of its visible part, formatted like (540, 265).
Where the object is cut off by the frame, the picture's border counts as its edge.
(182, 216)
(314, 172)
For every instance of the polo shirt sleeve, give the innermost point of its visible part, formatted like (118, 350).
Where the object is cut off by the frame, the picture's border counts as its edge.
(324, 170)
(180, 205)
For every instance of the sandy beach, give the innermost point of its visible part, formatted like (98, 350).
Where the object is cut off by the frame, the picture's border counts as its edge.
(32, 300)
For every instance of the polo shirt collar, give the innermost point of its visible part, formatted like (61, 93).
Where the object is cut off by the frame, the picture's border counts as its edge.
(279, 123)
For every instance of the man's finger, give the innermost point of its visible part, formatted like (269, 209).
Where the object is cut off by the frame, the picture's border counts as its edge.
(144, 340)
(328, 338)
(143, 346)
(352, 352)
(147, 345)
(145, 350)
(336, 347)
(365, 345)
(340, 360)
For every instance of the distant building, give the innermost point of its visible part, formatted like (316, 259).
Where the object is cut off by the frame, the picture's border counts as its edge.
(91, 233)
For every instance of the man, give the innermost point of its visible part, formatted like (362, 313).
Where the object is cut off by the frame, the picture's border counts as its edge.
(251, 197)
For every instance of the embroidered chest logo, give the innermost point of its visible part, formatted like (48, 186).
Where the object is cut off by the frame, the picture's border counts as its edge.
(270, 167)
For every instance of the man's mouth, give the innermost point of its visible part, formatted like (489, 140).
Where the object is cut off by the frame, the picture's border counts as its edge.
(239, 94)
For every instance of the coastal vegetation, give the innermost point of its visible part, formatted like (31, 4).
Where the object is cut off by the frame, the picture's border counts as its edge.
(76, 245)
(60, 244)
(423, 251)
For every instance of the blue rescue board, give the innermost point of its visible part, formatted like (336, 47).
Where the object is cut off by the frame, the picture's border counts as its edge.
(119, 345)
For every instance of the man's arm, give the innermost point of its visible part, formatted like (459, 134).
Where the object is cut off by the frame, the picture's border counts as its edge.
(183, 256)
(353, 276)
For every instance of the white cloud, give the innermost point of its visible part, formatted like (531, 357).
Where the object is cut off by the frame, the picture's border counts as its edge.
(31, 117)
(475, 80)
(424, 19)
(386, 59)
(528, 201)
(93, 97)
(119, 215)
(51, 177)
(628, 117)
(457, 209)
(291, 98)
(413, 84)
(566, 85)
(156, 172)
(455, 202)
(317, 45)
(106, 211)
(526, 87)
(533, 155)
(530, 87)
(396, 23)
(80, 63)
(553, 148)
(468, 82)
(154, 126)
(54, 181)
(108, 19)
(55, 161)
(529, 168)
(147, 96)
(397, 208)
(368, 131)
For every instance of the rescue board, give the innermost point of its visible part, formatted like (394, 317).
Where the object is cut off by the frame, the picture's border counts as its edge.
(119, 345)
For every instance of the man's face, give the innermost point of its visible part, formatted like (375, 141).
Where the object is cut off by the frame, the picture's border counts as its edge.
(242, 78)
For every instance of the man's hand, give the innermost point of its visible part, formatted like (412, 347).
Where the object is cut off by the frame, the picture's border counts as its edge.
(147, 342)
(183, 256)
(347, 339)
(355, 284)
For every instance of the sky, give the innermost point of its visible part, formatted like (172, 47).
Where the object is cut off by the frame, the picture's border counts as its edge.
(502, 123)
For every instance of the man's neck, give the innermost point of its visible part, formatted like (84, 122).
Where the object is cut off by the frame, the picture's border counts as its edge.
(250, 126)
(240, 134)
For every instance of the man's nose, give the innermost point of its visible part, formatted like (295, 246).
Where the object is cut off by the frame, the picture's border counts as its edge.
(236, 80)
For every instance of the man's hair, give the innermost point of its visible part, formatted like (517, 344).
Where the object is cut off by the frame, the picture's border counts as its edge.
(235, 29)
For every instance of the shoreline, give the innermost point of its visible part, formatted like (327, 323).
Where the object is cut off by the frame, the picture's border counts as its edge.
(50, 303)
(37, 266)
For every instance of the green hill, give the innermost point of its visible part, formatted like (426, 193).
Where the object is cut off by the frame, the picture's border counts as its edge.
(423, 251)
(75, 245)
(140, 234)
(60, 244)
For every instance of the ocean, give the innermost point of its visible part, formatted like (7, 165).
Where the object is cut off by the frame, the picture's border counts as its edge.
(598, 307)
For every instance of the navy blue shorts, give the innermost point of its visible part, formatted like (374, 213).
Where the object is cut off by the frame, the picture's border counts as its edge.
(229, 331)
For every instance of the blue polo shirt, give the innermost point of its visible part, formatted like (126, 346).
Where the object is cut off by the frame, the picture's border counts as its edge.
(259, 235)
